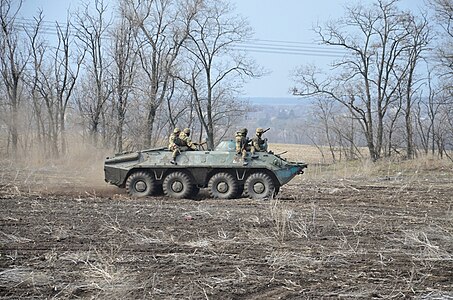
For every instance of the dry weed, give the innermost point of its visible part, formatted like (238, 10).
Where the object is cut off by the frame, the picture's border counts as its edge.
(23, 276)
(424, 247)
(280, 216)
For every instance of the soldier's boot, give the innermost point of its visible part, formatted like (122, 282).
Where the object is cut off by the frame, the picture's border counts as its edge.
(252, 152)
(173, 161)
(244, 161)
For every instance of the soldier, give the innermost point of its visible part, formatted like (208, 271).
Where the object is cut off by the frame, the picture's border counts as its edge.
(258, 144)
(187, 143)
(242, 144)
(174, 144)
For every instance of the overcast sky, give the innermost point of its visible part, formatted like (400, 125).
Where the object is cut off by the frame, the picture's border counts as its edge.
(283, 30)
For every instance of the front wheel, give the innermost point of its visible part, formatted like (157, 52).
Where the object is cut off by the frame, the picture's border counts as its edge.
(140, 184)
(222, 186)
(178, 185)
(259, 186)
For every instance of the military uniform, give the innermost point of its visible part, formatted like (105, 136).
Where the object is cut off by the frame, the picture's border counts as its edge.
(258, 144)
(186, 142)
(242, 144)
(174, 144)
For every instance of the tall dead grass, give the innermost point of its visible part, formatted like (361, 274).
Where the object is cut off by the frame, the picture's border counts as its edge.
(324, 168)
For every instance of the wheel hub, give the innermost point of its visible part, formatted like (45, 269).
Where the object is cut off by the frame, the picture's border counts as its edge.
(140, 186)
(177, 186)
(222, 187)
(259, 188)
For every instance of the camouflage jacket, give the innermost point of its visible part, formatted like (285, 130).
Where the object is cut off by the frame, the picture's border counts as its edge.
(186, 141)
(241, 142)
(174, 141)
(258, 143)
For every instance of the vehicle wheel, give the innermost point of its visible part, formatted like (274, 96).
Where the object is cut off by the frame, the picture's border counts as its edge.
(259, 186)
(140, 184)
(276, 190)
(222, 186)
(178, 185)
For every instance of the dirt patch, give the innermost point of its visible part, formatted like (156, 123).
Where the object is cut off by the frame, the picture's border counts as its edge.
(381, 237)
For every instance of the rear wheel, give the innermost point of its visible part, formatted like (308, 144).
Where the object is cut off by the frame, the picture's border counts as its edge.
(140, 184)
(222, 186)
(259, 186)
(178, 185)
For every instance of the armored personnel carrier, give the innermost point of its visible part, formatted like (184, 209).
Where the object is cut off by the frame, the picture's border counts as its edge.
(146, 172)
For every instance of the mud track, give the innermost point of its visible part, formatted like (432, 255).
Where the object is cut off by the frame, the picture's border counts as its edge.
(375, 238)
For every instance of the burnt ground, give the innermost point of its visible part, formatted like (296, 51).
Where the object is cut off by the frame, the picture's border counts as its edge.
(389, 237)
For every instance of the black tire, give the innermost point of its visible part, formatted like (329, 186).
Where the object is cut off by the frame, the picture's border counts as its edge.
(140, 184)
(259, 186)
(276, 190)
(223, 186)
(178, 185)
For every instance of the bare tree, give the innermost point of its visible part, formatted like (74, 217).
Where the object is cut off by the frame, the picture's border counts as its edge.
(92, 28)
(426, 114)
(125, 57)
(163, 24)
(213, 64)
(13, 60)
(38, 50)
(376, 40)
(52, 82)
(443, 10)
(67, 64)
(418, 39)
(324, 112)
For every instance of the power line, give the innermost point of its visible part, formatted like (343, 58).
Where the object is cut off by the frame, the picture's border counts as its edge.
(287, 52)
(252, 45)
(282, 47)
(267, 46)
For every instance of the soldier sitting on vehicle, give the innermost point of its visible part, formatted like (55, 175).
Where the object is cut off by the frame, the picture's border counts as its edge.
(184, 136)
(174, 144)
(258, 144)
(181, 142)
(242, 144)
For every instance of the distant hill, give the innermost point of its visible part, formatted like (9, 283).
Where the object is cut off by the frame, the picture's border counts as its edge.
(276, 101)
(286, 116)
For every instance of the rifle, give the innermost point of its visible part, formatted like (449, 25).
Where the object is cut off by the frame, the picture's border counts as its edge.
(267, 130)
(199, 144)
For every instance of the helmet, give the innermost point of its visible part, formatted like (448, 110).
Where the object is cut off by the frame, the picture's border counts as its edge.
(243, 131)
(186, 130)
(259, 130)
(176, 130)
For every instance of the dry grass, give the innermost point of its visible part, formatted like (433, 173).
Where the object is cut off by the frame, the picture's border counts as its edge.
(295, 152)
(320, 166)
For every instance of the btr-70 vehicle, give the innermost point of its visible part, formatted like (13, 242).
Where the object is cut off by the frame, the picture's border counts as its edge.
(146, 172)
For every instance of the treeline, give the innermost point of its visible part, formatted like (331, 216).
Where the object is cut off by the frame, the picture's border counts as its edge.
(122, 77)
(392, 90)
